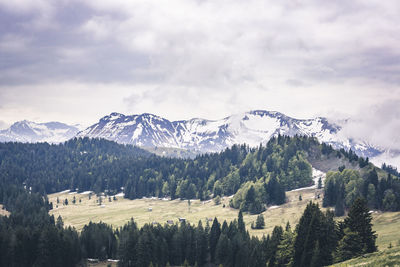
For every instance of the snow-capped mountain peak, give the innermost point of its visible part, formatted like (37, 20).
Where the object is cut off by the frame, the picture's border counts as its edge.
(32, 132)
(253, 127)
(197, 134)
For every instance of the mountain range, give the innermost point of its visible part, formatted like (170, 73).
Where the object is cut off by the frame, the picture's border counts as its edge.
(32, 132)
(197, 135)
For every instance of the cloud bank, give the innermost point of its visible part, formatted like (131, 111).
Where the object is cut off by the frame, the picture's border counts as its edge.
(76, 61)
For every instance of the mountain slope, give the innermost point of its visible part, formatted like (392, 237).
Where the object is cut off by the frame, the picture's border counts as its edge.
(31, 132)
(202, 135)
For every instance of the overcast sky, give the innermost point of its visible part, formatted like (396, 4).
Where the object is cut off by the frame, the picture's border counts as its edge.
(76, 61)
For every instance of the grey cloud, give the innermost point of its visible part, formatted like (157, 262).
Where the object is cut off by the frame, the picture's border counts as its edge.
(193, 44)
(378, 124)
(204, 58)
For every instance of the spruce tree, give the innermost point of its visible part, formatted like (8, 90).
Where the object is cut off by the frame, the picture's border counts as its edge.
(215, 232)
(260, 222)
(222, 250)
(349, 246)
(359, 221)
(316, 257)
(314, 228)
(339, 206)
(241, 225)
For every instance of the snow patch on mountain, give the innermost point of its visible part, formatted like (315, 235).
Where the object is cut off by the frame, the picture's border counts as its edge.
(32, 132)
(252, 128)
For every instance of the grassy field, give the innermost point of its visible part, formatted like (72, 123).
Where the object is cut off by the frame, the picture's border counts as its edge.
(388, 257)
(117, 213)
(387, 226)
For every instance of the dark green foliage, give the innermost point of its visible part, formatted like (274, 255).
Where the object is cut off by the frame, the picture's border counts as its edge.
(274, 242)
(259, 177)
(389, 201)
(339, 206)
(383, 194)
(185, 244)
(390, 169)
(253, 197)
(99, 165)
(312, 244)
(241, 225)
(215, 232)
(260, 223)
(330, 193)
(316, 238)
(284, 254)
(30, 237)
(349, 246)
(359, 221)
(98, 241)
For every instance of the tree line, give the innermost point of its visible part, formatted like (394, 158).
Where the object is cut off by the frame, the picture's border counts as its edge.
(104, 166)
(257, 177)
(344, 186)
(29, 236)
(36, 239)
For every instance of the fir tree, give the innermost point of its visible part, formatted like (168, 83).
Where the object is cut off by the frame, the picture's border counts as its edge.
(339, 206)
(359, 221)
(349, 246)
(260, 222)
(241, 225)
(215, 232)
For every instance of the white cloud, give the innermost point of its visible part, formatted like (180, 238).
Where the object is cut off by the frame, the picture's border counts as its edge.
(3, 125)
(192, 58)
(379, 124)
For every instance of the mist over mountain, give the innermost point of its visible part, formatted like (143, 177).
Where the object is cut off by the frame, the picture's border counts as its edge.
(201, 135)
(32, 132)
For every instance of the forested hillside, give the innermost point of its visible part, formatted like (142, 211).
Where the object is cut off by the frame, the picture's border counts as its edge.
(257, 176)
(100, 165)
(30, 237)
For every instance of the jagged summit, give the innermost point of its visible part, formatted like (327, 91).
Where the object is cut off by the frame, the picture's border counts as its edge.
(253, 127)
(197, 135)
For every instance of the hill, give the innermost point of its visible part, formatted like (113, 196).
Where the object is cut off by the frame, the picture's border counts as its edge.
(389, 257)
(283, 164)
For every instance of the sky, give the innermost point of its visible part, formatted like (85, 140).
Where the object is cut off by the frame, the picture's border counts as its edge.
(77, 61)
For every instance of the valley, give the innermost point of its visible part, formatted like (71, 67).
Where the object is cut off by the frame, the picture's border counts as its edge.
(108, 184)
(119, 212)
(199, 133)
